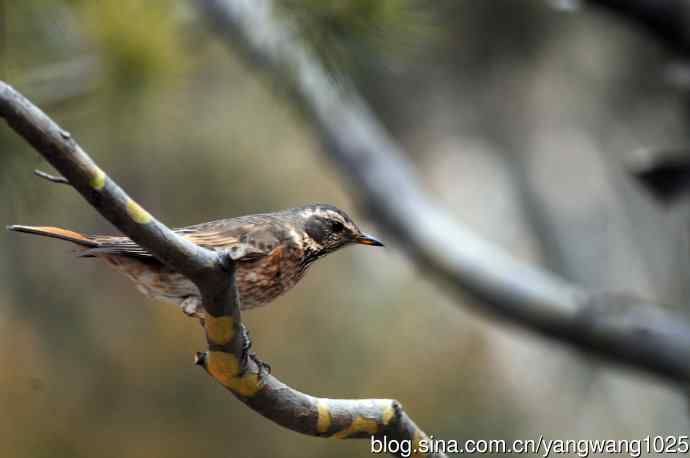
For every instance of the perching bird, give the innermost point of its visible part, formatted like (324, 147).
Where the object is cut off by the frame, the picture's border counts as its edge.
(283, 246)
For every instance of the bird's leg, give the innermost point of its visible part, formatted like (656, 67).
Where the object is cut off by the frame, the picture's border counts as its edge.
(247, 353)
(246, 345)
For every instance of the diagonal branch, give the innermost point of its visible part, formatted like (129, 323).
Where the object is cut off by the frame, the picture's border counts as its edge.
(226, 360)
(57, 147)
(619, 328)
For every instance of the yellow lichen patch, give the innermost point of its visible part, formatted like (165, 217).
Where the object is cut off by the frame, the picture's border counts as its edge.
(221, 329)
(324, 420)
(388, 414)
(222, 366)
(359, 425)
(137, 213)
(97, 179)
(225, 367)
(247, 385)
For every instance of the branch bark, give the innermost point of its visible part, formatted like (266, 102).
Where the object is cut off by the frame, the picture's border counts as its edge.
(226, 359)
(618, 328)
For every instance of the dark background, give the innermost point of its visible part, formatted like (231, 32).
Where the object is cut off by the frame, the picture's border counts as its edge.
(520, 117)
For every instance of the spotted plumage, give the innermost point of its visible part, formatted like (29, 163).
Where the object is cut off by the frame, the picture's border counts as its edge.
(281, 248)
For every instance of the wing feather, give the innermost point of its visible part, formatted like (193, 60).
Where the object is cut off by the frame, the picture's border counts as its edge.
(255, 240)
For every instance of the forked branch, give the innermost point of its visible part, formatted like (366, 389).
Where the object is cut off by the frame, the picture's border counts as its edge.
(226, 359)
(49, 177)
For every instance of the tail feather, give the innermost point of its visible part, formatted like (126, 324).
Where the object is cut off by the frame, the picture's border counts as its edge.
(56, 233)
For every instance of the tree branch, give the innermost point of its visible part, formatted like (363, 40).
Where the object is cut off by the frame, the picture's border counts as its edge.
(622, 329)
(666, 20)
(51, 178)
(226, 359)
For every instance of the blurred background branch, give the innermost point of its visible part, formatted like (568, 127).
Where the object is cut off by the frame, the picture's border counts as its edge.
(444, 250)
(62, 82)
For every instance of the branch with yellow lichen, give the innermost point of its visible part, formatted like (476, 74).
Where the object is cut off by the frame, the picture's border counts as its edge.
(213, 272)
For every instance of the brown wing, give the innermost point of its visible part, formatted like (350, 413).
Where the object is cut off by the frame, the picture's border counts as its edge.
(248, 238)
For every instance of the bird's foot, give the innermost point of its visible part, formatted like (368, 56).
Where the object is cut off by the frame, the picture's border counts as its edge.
(264, 368)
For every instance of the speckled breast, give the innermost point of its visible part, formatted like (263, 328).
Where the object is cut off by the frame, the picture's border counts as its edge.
(259, 282)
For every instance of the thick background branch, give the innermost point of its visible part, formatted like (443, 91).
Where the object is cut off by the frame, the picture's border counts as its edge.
(620, 328)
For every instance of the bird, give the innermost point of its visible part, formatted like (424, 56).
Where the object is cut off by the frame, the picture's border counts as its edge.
(282, 246)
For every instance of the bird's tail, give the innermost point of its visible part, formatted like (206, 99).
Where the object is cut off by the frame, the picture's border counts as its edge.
(57, 233)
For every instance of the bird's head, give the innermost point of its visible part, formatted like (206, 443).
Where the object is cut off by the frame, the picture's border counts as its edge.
(328, 228)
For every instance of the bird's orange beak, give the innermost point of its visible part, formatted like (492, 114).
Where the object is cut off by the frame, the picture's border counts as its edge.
(366, 239)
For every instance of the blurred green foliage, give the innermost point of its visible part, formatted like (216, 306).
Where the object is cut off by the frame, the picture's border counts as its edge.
(139, 40)
(348, 35)
(137, 43)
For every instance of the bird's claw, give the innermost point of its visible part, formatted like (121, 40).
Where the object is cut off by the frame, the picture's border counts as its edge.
(264, 368)
(246, 345)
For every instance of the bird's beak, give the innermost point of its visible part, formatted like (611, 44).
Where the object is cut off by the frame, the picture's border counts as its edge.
(366, 239)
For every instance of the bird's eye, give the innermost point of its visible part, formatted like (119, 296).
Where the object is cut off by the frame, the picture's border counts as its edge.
(337, 226)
